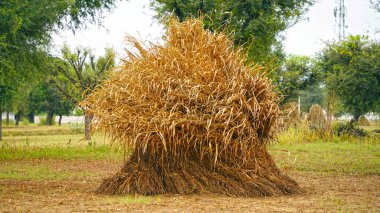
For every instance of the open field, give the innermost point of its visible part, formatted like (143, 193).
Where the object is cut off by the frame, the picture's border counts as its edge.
(42, 170)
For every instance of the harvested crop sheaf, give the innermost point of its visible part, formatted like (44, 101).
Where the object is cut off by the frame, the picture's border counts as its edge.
(363, 121)
(316, 118)
(289, 116)
(195, 117)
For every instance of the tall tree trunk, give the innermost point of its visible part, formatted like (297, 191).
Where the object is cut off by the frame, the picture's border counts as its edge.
(18, 118)
(331, 102)
(31, 117)
(60, 120)
(87, 126)
(49, 118)
(1, 125)
(7, 118)
(328, 121)
(356, 118)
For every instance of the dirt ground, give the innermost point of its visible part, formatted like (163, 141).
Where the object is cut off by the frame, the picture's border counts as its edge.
(331, 193)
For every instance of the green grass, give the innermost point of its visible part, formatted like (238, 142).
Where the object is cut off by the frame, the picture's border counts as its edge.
(335, 158)
(61, 152)
(35, 130)
(39, 172)
(296, 151)
(323, 157)
(37, 136)
(48, 142)
(53, 140)
(305, 150)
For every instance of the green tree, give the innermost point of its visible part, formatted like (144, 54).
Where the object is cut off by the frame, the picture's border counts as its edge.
(313, 94)
(298, 77)
(26, 28)
(6, 95)
(352, 69)
(25, 34)
(46, 98)
(79, 73)
(254, 23)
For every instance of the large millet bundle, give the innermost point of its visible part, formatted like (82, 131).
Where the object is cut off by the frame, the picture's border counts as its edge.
(194, 116)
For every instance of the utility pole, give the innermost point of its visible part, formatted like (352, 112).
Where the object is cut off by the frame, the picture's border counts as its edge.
(340, 14)
(299, 105)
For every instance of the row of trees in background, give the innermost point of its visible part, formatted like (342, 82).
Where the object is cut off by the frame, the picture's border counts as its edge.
(344, 76)
(25, 38)
(67, 80)
(33, 81)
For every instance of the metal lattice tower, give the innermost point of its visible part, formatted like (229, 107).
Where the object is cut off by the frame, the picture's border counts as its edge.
(340, 14)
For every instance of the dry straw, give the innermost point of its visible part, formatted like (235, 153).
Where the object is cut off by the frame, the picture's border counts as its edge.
(363, 121)
(316, 118)
(289, 116)
(194, 116)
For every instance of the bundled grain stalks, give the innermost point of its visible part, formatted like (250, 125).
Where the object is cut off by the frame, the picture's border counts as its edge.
(289, 116)
(195, 117)
(316, 118)
(363, 121)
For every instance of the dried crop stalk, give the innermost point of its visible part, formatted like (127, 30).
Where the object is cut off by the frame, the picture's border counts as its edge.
(195, 117)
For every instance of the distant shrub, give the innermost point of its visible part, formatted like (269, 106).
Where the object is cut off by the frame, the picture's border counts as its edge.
(43, 121)
(78, 112)
(350, 128)
(24, 121)
(299, 134)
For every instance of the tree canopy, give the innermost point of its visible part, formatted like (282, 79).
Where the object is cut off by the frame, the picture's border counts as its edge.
(46, 98)
(25, 35)
(79, 73)
(298, 74)
(254, 23)
(26, 28)
(352, 70)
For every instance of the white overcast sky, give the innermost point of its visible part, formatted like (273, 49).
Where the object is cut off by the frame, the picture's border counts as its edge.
(305, 38)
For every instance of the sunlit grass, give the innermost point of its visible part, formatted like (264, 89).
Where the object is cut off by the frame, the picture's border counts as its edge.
(61, 152)
(37, 172)
(324, 157)
(37, 136)
(296, 150)
(302, 134)
(33, 129)
(54, 140)
(302, 149)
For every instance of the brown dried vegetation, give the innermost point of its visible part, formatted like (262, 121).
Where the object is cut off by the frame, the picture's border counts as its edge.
(195, 117)
(363, 121)
(315, 117)
(289, 116)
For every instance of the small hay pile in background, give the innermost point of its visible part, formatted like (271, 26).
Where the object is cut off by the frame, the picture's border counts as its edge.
(289, 116)
(194, 117)
(316, 118)
(363, 121)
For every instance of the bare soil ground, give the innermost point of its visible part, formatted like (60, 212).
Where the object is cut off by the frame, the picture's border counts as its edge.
(75, 193)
